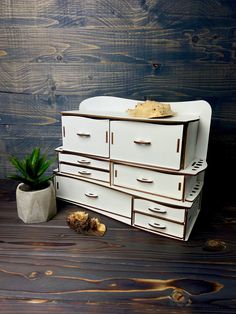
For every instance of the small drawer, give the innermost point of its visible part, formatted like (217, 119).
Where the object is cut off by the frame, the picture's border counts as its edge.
(83, 161)
(158, 210)
(150, 181)
(85, 172)
(159, 225)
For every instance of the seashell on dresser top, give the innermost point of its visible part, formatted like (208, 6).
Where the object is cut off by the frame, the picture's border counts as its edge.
(147, 173)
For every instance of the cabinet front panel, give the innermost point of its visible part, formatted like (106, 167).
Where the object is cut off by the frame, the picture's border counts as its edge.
(150, 181)
(85, 172)
(159, 225)
(158, 210)
(83, 161)
(93, 195)
(147, 143)
(84, 135)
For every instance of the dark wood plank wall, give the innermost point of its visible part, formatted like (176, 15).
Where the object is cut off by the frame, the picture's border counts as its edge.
(55, 53)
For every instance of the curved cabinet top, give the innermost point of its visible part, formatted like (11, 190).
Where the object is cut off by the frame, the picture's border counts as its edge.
(116, 108)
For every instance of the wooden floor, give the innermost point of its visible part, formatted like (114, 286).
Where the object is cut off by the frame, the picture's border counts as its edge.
(48, 268)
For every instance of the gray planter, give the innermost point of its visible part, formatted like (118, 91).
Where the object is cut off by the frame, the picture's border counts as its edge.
(36, 206)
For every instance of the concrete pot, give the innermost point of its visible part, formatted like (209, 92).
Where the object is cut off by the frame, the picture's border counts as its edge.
(36, 206)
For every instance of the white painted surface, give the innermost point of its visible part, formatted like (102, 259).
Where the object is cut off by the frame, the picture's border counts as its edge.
(159, 225)
(160, 148)
(104, 212)
(83, 161)
(106, 104)
(94, 195)
(190, 184)
(192, 216)
(147, 143)
(158, 210)
(85, 135)
(149, 181)
(85, 172)
(191, 141)
(196, 108)
(156, 198)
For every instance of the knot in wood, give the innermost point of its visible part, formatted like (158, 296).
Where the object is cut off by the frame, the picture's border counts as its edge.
(214, 245)
(195, 39)
(180, 296)
(48, 272)
(33, 275)
(59, 58)
(155, 65)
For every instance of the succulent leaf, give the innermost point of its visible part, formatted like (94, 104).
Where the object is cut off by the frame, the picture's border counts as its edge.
(31, 169)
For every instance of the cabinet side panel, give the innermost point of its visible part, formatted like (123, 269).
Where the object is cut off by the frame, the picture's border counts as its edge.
(192, 216)
(191, 142)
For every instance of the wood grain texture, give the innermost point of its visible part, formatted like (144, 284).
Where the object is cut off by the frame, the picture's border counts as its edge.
(54, 54)
(163, 45)
(110, 13)
(99, 79)
(48, 267)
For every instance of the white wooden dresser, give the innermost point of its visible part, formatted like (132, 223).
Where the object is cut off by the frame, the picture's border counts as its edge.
(147, 173)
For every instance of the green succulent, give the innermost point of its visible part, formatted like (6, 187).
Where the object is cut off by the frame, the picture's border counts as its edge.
(31, 169)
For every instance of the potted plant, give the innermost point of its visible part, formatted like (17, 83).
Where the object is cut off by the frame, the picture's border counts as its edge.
(35, 195)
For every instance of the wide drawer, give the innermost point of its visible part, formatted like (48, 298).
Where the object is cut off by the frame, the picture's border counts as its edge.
(158, 210)
(85, 135)
(83, 161)
(159, 225)
(150, 181)
(85, 172)
(147, 143)
(90, 194)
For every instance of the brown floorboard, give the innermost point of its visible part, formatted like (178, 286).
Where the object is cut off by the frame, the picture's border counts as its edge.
(48, 268)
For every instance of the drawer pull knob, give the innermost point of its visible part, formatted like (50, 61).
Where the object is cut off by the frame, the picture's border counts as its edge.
(91, 195)
(87, 173)
(83, 161)
(157, 226)
(142, 142)
(82, 134)
(157, 210)
(144, 180)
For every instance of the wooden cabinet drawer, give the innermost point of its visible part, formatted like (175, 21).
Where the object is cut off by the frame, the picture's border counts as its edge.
(93, 195)
(150, 181)
(169, 146)
(159, 225)
(85, 135)
(158, 210)
(85, 172)
(147, 143)
(83, 161)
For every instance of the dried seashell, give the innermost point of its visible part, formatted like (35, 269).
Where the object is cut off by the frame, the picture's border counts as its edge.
(151, 109)
(82, 223)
